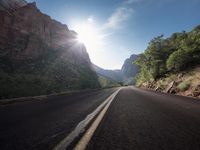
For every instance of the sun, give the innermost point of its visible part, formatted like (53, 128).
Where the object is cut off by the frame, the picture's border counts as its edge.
(89, 36)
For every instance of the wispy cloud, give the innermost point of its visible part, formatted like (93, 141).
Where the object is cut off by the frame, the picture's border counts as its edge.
(90, 19)
(130, 1)
(120, 15)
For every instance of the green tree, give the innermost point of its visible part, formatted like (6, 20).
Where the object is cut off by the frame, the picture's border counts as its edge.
(175, 53)
(178, 60)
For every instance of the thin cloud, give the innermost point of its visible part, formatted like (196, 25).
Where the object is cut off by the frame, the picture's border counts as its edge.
(119, 16)
(131, 1)
(90, 19)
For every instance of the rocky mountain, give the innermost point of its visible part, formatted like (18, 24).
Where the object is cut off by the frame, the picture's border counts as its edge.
(128, 68)
(125, 75)
(39, 55)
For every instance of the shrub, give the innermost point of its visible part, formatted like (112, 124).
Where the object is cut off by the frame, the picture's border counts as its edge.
(183, 86)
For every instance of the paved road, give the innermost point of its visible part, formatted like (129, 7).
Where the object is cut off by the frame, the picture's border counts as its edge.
(136, 120)
(42, 124)
(143, 120)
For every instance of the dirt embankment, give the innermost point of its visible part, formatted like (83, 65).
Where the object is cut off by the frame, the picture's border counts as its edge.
(185, 83)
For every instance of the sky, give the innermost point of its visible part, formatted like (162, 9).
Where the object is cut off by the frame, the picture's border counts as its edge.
(112, 30)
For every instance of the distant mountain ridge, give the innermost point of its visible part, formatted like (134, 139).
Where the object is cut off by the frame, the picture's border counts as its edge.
(39, 55)
(125, 75)
(115, 75)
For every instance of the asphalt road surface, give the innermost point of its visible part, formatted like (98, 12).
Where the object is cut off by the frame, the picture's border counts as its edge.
(136, 120)
(144, 120)
(41, 124)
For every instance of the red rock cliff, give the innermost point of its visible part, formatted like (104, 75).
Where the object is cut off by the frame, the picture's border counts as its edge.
(31, 41)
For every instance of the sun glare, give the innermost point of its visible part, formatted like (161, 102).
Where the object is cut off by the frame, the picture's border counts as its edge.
(88, 35)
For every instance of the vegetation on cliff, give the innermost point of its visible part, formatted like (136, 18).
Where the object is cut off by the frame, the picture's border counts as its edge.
(179, 52)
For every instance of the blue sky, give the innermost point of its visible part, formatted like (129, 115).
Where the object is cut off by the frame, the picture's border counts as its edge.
(126, 26)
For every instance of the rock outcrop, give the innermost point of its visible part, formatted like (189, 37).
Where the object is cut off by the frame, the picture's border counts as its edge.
(185, 83)
(11, 5)
(35, 47)
(130, 70)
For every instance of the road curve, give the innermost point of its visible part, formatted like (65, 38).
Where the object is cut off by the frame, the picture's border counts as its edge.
(41, 124)
(145, 120)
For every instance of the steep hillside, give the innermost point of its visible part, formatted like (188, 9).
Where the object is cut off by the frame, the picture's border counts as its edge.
(171, 64)
(106, 82)
(39, 55)
(130, 70)
(115, 75)
(186, 83)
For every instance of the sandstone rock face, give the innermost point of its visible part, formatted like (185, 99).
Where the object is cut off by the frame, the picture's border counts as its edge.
(31, 42)
(130, 70)
(11, 5)
(31, 32)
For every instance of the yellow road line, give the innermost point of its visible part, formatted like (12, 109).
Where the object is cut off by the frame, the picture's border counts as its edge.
(82, 144)
(80, 128)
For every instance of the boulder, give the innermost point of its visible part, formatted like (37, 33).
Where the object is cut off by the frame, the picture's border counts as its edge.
(196, 91)
(169, 87)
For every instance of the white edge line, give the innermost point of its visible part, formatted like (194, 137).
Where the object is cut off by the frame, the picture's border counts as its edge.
(80, 128)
